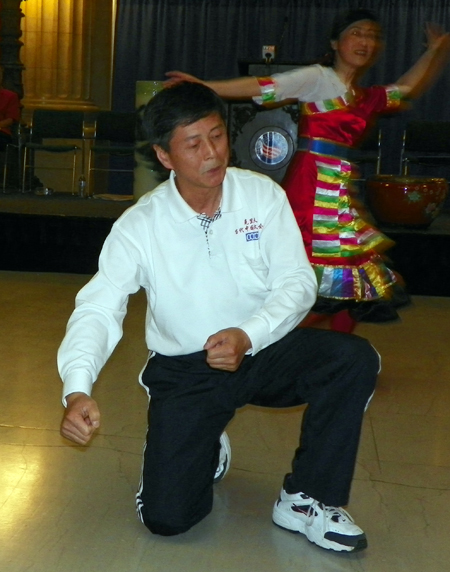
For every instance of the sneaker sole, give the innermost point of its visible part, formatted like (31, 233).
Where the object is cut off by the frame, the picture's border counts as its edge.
(226, 445)
(295, 526)
(222, 474)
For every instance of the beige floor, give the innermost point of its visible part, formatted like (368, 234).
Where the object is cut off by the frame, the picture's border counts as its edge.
(65, 508)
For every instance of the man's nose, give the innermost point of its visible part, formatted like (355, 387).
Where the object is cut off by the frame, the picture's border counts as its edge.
(209, 149)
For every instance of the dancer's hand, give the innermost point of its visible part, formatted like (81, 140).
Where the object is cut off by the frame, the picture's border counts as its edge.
(437, 38)
(178, 76)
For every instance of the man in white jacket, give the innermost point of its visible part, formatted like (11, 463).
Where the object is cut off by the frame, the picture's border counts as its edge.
(222, 261)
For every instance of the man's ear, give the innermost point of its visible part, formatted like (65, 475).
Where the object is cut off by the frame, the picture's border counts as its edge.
(163, 157)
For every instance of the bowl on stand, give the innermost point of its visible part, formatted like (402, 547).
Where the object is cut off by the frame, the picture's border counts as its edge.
(406, 200)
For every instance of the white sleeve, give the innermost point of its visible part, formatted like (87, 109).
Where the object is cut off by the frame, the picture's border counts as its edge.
(95, 326)
(291, 281)
(300, 83)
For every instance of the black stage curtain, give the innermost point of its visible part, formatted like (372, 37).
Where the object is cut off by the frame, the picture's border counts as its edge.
(209, 37)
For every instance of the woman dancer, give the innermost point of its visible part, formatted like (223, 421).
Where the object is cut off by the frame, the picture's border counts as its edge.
(343, 248)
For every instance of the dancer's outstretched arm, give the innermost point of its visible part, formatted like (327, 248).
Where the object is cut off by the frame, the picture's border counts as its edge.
(428, 67)
(237, 88)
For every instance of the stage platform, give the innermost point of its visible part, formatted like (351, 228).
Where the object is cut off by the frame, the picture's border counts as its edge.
(62, 233)
(422, 257)
(55, 233)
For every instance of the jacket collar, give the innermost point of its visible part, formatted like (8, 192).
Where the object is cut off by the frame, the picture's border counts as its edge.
(182, 212)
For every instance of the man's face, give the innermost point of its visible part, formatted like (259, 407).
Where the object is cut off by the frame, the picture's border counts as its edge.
(198, 154)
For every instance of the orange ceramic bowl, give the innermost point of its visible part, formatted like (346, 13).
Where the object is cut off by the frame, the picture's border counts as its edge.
(406, 200)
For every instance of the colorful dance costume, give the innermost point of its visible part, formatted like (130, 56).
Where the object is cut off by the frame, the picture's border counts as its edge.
(343, 248)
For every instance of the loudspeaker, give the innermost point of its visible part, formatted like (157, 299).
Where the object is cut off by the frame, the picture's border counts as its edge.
(261, 139)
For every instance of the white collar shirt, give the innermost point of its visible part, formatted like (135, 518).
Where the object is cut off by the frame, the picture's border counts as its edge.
(250, 271)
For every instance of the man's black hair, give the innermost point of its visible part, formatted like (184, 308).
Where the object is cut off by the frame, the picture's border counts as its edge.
(179, 105)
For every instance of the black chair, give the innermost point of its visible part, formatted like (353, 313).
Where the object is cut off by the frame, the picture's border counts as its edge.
(369, 152)
(13, 156)
(114, 137)
(425, 143)
(47, 127)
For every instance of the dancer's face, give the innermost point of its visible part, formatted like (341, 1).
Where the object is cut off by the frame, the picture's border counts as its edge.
(358, 45)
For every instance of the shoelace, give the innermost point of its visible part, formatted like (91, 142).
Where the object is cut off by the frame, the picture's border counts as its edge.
(329, 513)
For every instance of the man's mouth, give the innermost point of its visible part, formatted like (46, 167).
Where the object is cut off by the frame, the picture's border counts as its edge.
(212, 170)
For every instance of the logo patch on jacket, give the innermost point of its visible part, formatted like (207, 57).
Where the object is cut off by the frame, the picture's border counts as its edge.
(251, 228)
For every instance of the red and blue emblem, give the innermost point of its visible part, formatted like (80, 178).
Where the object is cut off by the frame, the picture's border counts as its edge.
(271, 148)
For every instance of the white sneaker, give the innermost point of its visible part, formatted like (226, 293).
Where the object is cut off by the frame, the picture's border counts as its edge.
(327, 526)
(224, 458)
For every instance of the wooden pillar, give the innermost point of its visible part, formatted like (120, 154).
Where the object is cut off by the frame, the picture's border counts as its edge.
(57, 54)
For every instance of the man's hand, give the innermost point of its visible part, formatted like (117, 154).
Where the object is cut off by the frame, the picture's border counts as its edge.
(81, 418)
(226, 349)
